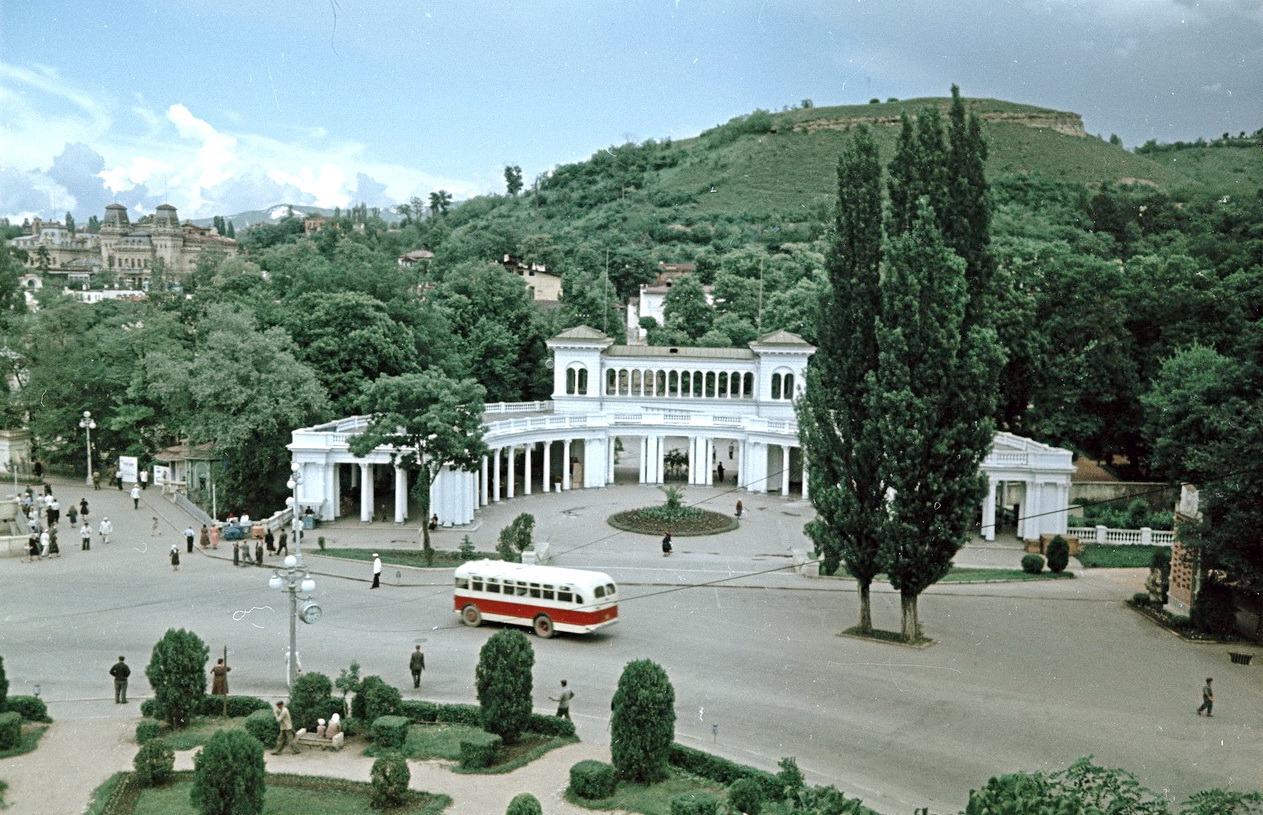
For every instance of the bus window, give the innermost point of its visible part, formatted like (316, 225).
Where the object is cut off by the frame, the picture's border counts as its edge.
(521, 589)
(564, 595)
(609, 589)
(578, 598)
(476, 584)
(599, 592)
(493, 587)
(462, 583)
(535, 590)
(549, 594)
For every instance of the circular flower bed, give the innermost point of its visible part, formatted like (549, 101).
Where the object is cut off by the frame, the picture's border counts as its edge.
(681, 521)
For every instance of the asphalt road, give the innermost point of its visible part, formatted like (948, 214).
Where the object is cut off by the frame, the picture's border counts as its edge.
(1021, 676)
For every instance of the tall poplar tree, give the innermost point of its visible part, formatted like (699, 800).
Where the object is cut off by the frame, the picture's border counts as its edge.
(838, 434)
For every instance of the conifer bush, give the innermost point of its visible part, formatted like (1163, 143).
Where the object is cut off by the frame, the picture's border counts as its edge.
(147, 730)
(503, 679)
(307, 699)
(10, 730)
(1058, 554)
(390, 776)
(229, 775)
(524, 804)
(745, 796)
(643, 722)
(1032, 564)
(154, 763)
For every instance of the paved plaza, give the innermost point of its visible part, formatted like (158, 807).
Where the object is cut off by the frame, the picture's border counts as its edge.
(1021, 675)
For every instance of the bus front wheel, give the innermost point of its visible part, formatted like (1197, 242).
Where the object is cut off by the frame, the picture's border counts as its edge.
(471, 616)
(543, 626)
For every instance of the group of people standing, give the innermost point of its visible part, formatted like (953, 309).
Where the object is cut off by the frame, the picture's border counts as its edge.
(43, 515)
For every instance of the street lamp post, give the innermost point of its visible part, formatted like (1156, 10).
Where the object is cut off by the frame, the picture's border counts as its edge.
(296, 478)
(88, 425)
(293, 579)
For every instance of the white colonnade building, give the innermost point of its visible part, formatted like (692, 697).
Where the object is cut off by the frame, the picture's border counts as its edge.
(639, 414)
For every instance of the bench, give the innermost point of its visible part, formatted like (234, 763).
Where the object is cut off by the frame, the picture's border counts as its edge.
(309, 739)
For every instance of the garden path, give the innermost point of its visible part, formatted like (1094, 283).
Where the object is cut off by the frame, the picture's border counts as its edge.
(74, 757)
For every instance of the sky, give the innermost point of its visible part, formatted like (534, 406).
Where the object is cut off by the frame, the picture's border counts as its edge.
(235, 105)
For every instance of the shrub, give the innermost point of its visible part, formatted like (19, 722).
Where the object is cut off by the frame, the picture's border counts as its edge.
(642, 723)
(790, 776)
(694, 803)
(177, 674)
(503, 679)
(550, 726)
(479, 750)
(147, 730)
(459, 714)
(4, 686)
(237, 705)
(524, 804)
(746, 796)
(307, 697)
(262, 725)
(10, 730)
(389, 731)
(375, 698)
(419, 711)
(330, 706)
(1032, 564)
(31, 708)
(228, 775)
(592, 779)
(1161, 559)
(1140, 598)
(390, 776)
(723, 771)
(467, 550)
(154, 763)
(1058, 554)
(1214, 611)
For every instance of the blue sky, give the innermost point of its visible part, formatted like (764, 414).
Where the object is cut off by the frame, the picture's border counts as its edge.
(226, 106)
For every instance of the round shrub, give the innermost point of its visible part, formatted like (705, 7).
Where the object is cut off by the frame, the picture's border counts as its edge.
(148, 730)
(262, 725)
(694, 803)
(229, 776)
(389, 731)
(1058, 554)
(154, 763)
(745, 796)
(1032, 564)
(592, 779)
(390, 778)
(375, 698)
(524, 804)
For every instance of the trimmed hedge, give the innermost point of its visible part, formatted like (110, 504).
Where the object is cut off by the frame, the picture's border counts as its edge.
(262, 725)
(550, 726)
(524, 804)
(10, 729)
(1032, 564)
(147, 730)
(479, 750)
(389, 731)
(694, 803)
(376, 698)
(592, 780)
(154, 763)
(31, 708)
(421, 712)
(390, 777)
(723, 771)
(214, 706)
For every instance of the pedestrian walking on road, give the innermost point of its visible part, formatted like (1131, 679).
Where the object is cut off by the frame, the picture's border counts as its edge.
(236, 553)
(719, 471)
(416, 664)
(96, 479)
(153, 530)
(53, 549)
(32, 547)
(135, 496)
(120, 671)
(175, 557)
(377, 572)
(739, 507)
(105, 530)
(282, 545)
(1208, 699)
(72, 515)
(204, 539)
(83, 508)
(666, 544)
(563, 701)
(285, 724)
(85, 536)
(269, 540)
(44, 540)
(258, 553)
(144, 479)
(188, 539)
(219, 680)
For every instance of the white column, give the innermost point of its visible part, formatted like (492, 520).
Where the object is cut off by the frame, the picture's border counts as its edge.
(988, 511)
(482, 483)
(659, 460)
(401, 494)
(708, 452)
(512, 464)
(529, 449)
(565, 465)
(784, 470)
(496, 482)
(548, 466)
(644, 459)
(806, 482)
(330, 481)
(366, 492)
(610, 446)
(693, 471)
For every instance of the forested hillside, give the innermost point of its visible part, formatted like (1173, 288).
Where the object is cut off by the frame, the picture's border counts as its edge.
(1111, 262)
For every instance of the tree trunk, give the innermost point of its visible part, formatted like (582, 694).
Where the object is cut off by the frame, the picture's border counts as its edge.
(866, 608)
(424, 479)
(911, 629)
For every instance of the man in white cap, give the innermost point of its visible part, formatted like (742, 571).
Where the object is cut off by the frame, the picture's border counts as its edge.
(377, 572)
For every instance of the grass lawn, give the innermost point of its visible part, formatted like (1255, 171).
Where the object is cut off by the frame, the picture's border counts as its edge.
(200, 731)
(406, 557)
(996, 575)
(285, 795)
(655, 799)
(442, 741)
(31, 732)
(689, 521)
(1118, 556)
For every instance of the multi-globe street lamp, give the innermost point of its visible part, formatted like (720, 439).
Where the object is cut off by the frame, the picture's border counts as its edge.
(296, 478)
(293, 579)
(88, 424)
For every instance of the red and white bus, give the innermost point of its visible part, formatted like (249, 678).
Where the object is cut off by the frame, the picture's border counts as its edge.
(546, 598)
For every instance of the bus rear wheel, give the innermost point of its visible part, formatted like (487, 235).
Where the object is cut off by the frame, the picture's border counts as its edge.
(471, 616)
(543, 626)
